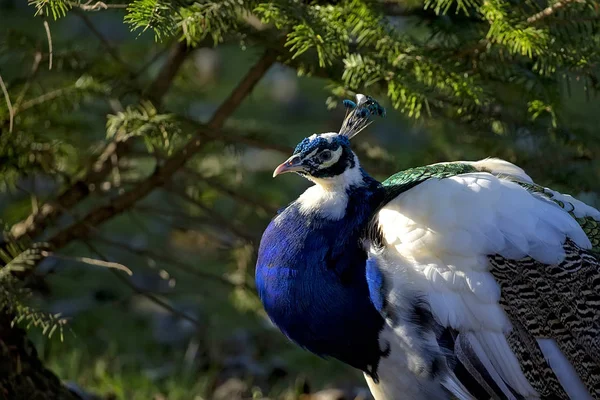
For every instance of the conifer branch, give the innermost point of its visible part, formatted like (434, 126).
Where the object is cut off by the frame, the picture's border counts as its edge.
(164, 171)
(78, 191)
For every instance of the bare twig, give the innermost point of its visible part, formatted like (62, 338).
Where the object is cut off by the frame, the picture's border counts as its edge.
(232, 136)
(149, 296)
(236, 195)
(166, 214)
(90, 261)
(105, 43)
(43, 98)
(151, 61)
(212, 214)
(166, 170)
(161, 84)
(172, 261)
(97, 6)
(50, 48)
(37, 58)
(184, 221)
(11, 112)
(550, 10)
(97, 171)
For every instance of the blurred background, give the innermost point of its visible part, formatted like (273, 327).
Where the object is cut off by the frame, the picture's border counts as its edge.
(137, 144)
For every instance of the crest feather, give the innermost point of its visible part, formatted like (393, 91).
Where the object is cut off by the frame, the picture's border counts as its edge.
(359, 114)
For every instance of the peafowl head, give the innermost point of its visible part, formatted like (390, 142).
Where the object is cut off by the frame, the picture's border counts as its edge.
(327, 158)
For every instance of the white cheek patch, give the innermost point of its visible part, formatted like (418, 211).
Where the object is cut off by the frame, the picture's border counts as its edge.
(335, 156)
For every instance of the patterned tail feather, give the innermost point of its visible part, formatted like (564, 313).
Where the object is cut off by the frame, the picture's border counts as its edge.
(554, 301)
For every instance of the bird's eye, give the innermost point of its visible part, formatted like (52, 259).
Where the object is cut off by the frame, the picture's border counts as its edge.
(325, 156)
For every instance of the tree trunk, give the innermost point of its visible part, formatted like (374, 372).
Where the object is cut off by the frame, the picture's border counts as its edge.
(22, 374)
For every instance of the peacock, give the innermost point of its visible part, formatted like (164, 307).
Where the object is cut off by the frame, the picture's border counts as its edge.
(459, 280)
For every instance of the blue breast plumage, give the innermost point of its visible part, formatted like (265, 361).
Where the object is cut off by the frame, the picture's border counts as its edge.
(311, 278)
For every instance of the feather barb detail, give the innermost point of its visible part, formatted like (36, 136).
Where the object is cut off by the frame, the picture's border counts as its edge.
(359, 115)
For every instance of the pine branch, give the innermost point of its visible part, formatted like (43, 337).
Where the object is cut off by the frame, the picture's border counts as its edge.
(97, 171)
(166, 170)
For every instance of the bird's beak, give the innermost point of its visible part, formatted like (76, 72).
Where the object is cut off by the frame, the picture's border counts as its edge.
(292, 164)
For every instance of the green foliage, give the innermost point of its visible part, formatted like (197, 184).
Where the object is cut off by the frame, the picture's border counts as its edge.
(511, 32)
(14, 296)
(159, 131)
(444, 72)
(214, 19)
(444, 6)
(157, 15)
(39, 142)
(55, 8)
(192, 21)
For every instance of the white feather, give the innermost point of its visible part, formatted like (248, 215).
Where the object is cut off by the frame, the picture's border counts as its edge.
(398, 373)
(483, 357)
(438, 236)
(579, 208)
(565, 373)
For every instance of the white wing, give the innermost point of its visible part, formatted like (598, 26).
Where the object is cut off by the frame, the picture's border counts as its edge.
(438, 239)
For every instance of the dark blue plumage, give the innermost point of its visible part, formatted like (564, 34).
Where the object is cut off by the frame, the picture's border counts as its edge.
(311, 279)
(311, 272)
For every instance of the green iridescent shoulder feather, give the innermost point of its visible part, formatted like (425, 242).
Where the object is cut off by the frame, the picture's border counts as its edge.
(409, 178)
(419, 174)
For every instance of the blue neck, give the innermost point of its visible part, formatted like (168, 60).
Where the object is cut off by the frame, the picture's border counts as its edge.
(310, 276)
